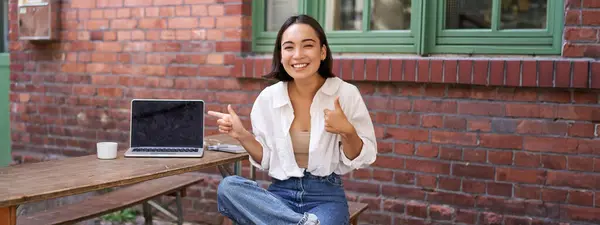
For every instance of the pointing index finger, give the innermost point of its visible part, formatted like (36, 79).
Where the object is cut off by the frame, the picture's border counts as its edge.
(216, 114)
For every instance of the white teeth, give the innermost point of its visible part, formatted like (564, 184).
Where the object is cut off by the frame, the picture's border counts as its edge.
(299, 65)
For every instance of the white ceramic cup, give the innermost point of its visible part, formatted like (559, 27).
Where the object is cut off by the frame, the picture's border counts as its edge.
(106, 150)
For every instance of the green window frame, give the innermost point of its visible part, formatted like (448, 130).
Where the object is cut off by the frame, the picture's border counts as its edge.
(426, 34)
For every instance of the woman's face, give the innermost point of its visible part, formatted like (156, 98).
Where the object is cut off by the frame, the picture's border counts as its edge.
(301, 51)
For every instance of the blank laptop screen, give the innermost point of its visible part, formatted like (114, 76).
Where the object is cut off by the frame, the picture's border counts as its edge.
(167, 123)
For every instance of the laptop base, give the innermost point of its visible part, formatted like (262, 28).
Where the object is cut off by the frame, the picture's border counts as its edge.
(131, 153)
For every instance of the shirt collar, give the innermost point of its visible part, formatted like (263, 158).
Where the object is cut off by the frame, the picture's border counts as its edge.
(330, 87)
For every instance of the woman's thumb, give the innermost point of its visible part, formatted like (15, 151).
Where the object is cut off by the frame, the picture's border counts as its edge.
(231, 112)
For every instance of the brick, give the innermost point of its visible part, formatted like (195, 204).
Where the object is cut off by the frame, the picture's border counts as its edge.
(542, 127)
(371, 70)
(581, 34)
(450, 71)
(473, 171)
(403, 192)
(108, 3)
(416, 209)
(428, 166)
(501, 141)
(583, 198)
(449, 153)
(427, 181)
(571, 179)
(465, 70)
(572, 112)
(580, 74)
(530, 110)
(496, 72)
(529, 73)
(423, 70)
(404, 177)
(590, 17)
(520, 175)
(347, 67)
(556, 162)
(182, 23)
(582, 130)
(576, 213)
(513, 73)
(409, 72)
(562, 74)
(550, 144)
(83, 4)
(578, 163)
(481, 108)
(135, 3)
(429, 151)
(443, 137)
(574, 50)
(591, 4)
(358, 71)
(466, 216)
(573, 17)
(546, 73)
(436, 71)
(471, 155)
(489, 218)
(383, 70)
(440, 212)
(228, 21)
(435, 106)
(408, 134)
(480, 72)
(483, 125)
(513, 220)
(500, 157)
(389, 162)
(527, 192)
(451, 199)
(152, 23)
(383, 175)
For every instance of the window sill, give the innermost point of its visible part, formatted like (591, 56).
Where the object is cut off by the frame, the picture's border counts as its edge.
(507, 72)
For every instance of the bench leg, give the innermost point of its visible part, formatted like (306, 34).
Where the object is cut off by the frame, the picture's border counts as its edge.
(8, 215)
(147, 213)
(179, 209)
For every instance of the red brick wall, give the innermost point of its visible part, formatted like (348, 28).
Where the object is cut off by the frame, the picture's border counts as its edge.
(461, 140)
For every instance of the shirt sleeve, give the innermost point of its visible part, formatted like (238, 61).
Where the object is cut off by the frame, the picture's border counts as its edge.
(360, 118)
(259, 129)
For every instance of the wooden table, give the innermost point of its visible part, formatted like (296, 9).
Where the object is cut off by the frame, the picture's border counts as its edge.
(25, 183)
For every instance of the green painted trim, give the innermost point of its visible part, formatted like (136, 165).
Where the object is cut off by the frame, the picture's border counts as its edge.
(495, 15)
(5, 140)
(427, 34)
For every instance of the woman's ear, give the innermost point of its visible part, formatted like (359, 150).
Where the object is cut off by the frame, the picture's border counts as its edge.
(323, 52)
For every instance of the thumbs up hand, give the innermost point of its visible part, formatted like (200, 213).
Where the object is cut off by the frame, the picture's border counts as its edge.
(336, 121)
(229, 123)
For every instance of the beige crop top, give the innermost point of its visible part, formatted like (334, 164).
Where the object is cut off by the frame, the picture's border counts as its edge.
(300, 143)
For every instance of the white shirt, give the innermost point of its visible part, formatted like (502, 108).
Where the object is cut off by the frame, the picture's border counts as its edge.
(272, 115)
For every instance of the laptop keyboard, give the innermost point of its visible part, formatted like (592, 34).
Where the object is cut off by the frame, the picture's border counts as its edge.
(165, 150)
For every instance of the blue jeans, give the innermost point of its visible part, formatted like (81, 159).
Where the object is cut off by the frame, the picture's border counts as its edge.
(292, 201)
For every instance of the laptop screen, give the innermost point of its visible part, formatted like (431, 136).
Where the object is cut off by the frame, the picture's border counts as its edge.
(167, 123)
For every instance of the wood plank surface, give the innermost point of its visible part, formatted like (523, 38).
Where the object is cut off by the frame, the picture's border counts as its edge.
(57, 178)
(101, 204)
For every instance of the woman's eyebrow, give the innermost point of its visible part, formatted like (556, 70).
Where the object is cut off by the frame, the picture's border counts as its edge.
(305, 40)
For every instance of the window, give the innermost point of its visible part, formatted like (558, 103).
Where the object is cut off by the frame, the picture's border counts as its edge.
(422, 27)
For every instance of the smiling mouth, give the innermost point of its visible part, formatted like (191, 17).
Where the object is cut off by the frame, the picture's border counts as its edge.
(300, 65)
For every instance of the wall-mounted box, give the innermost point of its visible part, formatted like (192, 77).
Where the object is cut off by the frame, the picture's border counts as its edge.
(38, 19)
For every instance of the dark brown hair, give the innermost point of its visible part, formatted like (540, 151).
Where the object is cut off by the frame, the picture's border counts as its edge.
(277, 70)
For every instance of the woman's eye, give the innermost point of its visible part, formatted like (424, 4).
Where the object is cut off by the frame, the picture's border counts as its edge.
(288, 48)
(308, 46)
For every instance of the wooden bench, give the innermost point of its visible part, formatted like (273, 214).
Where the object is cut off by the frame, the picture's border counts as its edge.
(355, 209)
(119, 199)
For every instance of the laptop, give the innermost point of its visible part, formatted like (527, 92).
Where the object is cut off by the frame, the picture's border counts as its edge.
(166, 128)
